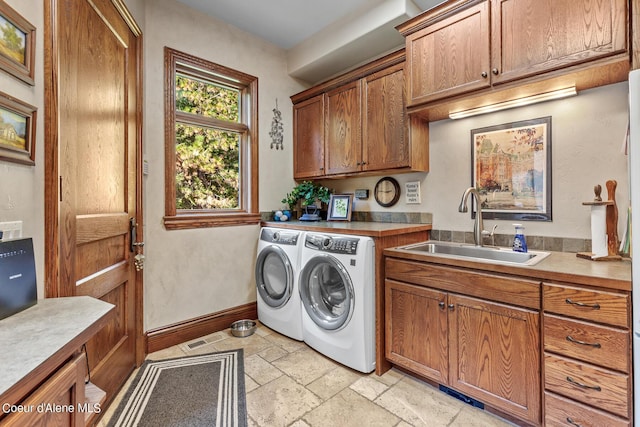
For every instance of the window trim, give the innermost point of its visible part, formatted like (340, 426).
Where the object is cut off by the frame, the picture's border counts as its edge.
(248, 213)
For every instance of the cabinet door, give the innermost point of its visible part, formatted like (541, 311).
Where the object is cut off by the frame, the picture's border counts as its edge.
(449, 57)
(416, 329)
(344, 137)
(57, 402)
(384, 141)
(494, 355)
(534, 36)
(308, 137)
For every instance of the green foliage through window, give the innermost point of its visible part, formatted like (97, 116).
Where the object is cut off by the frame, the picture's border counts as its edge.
(207, 157)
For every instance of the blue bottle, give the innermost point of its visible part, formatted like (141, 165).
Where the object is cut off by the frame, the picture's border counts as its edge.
(519, 242)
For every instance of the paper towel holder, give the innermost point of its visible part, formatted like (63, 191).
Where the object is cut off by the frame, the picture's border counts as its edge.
(611, 222)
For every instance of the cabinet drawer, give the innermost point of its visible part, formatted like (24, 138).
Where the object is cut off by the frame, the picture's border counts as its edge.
(600, 345)
(598, 306)
(589, 384)
(564, 412)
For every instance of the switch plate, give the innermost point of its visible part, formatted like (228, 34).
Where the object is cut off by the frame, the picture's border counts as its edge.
(362, 194)
(11, 230)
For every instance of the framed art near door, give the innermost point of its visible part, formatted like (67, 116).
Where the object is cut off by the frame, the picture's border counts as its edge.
(17, 53)
(17, 130)
(511, 170)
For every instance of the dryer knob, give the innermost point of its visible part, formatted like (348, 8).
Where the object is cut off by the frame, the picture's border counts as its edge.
(326, 242)
(276, 236)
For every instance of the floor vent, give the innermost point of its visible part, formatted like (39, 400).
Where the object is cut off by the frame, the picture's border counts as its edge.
(195, 344)
(466, 399)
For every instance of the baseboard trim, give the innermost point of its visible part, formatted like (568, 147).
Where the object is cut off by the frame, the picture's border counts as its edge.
(168, 336)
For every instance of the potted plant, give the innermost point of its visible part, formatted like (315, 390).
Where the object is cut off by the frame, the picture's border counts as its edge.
(307, 194)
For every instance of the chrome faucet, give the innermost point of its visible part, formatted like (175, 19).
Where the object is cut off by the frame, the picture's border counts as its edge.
(478, 225)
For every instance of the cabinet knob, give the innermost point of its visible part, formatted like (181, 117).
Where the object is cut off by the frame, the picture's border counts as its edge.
(451, 307)
(495, 71)
(321, 169)
(441, 304)
(484, 74)
(364, 163)
(358, 163)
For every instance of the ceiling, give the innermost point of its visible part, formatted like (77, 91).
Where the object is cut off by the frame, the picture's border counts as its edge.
(324, 37)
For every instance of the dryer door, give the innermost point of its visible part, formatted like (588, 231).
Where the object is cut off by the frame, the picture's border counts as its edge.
(326, 292)
(274, 276)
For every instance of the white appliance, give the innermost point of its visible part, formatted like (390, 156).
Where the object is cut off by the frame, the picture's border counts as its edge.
(634, 184)
(277, 269)
(337, 291)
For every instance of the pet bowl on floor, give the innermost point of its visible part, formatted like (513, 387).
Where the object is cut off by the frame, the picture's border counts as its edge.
(243, 328)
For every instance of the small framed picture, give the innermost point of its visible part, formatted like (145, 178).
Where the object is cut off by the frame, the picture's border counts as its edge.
(17, 130)
(340, 207)
(17, 47)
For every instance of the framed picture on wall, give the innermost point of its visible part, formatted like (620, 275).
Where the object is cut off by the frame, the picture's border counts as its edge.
(17, 44)
(511, 170)
(17, 130)
(340, 206)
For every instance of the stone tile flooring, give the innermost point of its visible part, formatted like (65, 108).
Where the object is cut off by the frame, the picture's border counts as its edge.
(290, 384)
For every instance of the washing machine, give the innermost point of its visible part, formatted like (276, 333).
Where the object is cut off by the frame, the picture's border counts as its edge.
(337, 292)
(276, 273)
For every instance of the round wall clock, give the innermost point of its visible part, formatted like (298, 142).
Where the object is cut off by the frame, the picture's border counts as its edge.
(387, 192)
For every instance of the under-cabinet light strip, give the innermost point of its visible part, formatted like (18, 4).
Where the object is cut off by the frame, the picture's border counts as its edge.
(533, 99)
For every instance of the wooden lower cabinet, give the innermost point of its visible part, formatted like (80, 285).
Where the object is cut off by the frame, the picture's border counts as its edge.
(587, 356)
(489, 351)
(58, 402)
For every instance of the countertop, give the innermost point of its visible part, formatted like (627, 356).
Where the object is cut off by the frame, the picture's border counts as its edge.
(52, 327)
(361, 228)
(558, 266)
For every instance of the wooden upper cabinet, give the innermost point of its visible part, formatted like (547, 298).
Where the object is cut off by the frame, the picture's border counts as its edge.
(533, 36)
(356, 123)
(344, 137)
(449, 57)
(308, 134)
(464, 46)
(384, 129)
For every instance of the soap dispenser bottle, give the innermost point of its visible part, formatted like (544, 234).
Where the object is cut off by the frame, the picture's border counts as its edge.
(519, 242)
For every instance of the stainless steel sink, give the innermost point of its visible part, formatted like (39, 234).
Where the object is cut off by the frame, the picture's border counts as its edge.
(488, 254)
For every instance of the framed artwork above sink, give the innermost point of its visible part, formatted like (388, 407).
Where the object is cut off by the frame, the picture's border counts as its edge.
(511, 169)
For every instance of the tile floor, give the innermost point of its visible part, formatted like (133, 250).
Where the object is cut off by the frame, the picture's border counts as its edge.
(290, 384)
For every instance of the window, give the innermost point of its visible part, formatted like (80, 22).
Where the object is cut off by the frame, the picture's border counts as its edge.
(211, 144)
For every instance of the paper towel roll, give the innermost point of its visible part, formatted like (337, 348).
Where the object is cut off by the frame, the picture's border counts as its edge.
(599, 231)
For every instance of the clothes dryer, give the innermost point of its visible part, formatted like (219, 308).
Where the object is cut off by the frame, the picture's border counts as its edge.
(276, 273)
(337, 292)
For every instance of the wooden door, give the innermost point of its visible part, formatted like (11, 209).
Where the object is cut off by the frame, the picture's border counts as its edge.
(450, 57)
(308, 138)
(343, 153)
(534, 36)
(384, 140)
(494, 355)
(416, 335)
(93, 143)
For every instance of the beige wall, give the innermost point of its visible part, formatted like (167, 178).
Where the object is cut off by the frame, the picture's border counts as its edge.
(587, 136)
(196, 272)
(22, 187)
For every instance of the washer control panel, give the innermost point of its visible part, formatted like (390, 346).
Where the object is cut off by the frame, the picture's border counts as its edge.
(281, 237)
(332, 244)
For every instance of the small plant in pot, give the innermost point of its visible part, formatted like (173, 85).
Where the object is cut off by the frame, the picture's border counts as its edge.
(308, 196)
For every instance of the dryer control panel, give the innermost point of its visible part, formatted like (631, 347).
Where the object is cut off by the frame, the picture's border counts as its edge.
(332, 244)
(282, 237)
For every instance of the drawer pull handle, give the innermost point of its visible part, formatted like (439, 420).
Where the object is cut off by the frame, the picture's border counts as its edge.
(581, 304)
(592, 387)
(573, 340)
(573, 423)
